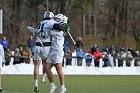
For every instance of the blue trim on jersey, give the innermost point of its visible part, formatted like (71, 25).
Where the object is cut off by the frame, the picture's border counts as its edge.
(42, 26)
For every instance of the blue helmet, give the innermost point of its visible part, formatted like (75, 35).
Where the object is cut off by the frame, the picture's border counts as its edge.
(48, 14)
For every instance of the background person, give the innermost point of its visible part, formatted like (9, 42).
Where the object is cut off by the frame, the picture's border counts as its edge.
(106, 59)
(68, 57)
(66, 46)
(80, 54)
(97, 56)
(129, 58)
(27, 54)
(31, 44)
(17, 56)
(89, 58)
(67, 53)
(21, 54)
(8, 56)
(93, 48)
(79, 43)
(5, 43)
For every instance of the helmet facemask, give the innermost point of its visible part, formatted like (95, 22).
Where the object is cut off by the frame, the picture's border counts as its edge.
(48, 15)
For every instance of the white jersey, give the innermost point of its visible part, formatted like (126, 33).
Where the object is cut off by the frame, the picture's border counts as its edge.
(45, 27)
(56, 52)
(2, 58)
(57, 40)
(40, 51)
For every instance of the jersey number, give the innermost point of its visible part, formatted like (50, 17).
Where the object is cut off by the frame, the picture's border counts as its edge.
(42, 33)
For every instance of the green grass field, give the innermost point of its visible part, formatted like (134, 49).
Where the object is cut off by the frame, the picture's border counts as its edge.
(75, 84)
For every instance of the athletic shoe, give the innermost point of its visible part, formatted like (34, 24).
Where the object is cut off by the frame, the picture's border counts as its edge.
(43, 80)
(0, 89)
(36, 89)
(63, 89)
(52, 88)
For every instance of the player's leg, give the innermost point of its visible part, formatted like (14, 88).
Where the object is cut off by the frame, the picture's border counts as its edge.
(36, 75)
(37, 60)
(48, 67)
(46, 52)
(43, 78)
(58, 67)
(58, 58)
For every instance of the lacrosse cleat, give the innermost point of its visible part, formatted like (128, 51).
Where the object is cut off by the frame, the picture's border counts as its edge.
(63, 89)
(0, 89)
(52, 88)
(36, 89)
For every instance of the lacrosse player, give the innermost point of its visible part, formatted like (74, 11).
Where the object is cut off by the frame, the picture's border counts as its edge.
(56, 52)
(42, 47)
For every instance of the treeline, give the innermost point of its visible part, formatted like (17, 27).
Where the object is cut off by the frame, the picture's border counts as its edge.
(104, 22)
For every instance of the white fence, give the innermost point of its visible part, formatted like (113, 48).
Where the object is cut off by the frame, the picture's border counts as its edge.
(73, 69)
(101, 63)
(74, 62)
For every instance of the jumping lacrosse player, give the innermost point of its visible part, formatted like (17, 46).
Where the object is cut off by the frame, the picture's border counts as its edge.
(42, 47)
(56, 52)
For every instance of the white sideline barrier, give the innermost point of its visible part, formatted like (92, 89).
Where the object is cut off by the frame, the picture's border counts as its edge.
(74, 61)
(84, 62)
(111, 61)
(124, 63)
(92, 63)
(101, 63)
(116, 62)
(27, 69)
(132, 63)
(75, 70)
(12, 60)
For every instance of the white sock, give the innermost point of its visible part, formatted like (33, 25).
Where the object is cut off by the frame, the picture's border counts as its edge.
(63, 85)
(36, 83)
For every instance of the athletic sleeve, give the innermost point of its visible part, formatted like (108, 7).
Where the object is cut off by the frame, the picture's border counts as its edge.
(66, 27)
(60, 26)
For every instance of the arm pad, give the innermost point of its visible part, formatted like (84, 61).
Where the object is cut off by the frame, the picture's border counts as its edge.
(59, 27)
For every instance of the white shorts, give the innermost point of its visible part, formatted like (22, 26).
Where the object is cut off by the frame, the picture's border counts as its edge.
(41, 53)
(55, 56)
